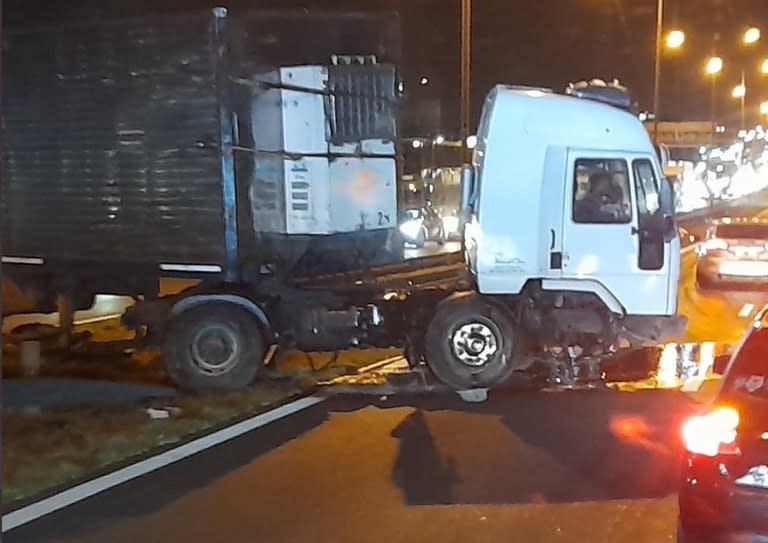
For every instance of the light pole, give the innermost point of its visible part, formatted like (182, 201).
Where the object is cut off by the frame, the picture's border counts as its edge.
(657, 67)
(466, 64)
(740, 92)
(675, 40)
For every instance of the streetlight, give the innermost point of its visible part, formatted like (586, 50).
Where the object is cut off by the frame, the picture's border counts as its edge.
(739, 91)
(424, 80)
(714, 65)
(764, 67)
(752, 36)
(713, 68)
(764, 108)
(675, 39)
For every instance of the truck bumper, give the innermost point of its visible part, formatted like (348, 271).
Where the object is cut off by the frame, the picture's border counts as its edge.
(649, 330)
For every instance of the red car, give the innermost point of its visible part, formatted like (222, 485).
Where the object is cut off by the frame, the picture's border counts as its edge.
(724, 486)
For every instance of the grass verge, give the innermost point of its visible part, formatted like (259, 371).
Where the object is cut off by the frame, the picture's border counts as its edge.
(62, 446)
(55, 448)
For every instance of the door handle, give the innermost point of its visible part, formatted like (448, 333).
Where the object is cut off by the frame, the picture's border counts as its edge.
(552, 239)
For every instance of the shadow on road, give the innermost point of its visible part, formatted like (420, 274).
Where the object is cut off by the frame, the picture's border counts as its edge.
(419, 471)
(540, 448)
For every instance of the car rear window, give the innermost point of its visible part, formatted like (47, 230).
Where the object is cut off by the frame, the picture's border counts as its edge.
(742, 231)
(749, 372)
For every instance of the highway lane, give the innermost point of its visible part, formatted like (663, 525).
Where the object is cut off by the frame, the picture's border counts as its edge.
(716, 316)
(548, 467)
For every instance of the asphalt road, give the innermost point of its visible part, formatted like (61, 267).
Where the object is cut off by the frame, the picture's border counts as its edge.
(594, 466)
(533, 466)
(715, 316)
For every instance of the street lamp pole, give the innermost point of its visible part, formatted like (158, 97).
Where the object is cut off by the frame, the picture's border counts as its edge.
(743, 102)
(466, 64)
(657, 67)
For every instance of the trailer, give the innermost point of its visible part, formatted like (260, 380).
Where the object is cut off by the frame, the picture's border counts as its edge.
(126, 143)
(570, 247)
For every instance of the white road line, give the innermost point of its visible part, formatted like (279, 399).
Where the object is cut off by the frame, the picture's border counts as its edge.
(102, 318)
(100, 484)
(380, 364)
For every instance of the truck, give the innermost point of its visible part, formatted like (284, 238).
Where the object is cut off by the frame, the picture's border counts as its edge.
(166, 151)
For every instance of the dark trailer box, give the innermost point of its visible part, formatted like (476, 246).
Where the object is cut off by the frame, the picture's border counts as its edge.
(112, 131)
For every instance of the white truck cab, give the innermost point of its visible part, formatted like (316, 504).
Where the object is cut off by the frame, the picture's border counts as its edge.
(569, 222)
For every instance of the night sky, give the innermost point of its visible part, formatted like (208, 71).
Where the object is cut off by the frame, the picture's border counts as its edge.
(544, 43)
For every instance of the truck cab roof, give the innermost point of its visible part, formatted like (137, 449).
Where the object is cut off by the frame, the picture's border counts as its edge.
(559, 119)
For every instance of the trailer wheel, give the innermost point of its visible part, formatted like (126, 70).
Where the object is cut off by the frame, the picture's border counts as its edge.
(214, 347)
(469, 344)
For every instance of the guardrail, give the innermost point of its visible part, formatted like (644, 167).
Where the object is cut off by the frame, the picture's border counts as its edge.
(722, 207)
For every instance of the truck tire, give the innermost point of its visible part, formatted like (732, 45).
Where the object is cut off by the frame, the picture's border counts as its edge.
(214, 347)
(469, 343)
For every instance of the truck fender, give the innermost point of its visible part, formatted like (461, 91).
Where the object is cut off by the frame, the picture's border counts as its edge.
(469, 294)
(245, 303)
(587, 285)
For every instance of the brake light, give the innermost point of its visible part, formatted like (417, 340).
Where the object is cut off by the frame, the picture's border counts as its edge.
(713, 433)
(716, 244)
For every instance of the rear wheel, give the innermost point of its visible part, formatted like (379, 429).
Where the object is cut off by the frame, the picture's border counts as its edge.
(214, 347)
(469, 343)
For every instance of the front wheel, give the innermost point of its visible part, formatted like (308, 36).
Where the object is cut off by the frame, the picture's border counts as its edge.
(469, 343)
(214, 347)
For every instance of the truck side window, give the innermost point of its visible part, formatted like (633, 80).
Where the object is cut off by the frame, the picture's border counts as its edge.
(601, 192)
(646, 186)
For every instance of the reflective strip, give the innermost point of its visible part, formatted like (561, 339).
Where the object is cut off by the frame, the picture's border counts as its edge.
(23, 260)
(191, 268)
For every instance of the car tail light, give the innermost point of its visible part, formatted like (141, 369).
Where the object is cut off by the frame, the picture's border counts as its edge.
(713, 433)
(715, 244)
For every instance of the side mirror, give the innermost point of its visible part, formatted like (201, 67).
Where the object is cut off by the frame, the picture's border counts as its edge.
(721, 363)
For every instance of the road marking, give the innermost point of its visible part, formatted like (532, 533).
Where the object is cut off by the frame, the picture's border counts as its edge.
(207, 268)
(105, 482)
(380, 364)
(23, 260)
(746, 311)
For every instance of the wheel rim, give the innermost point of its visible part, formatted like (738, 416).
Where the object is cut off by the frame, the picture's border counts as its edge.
(474, 344)
(215, 349)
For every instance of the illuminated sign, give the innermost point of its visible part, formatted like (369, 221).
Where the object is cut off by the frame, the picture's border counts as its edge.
(689, 134)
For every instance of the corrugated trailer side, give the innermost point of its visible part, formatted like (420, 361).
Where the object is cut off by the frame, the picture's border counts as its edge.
(111, 143)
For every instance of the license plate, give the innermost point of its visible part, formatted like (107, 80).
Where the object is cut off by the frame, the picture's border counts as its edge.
(745, 269)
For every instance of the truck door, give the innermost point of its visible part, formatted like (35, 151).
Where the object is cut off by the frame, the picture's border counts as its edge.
(605, 237)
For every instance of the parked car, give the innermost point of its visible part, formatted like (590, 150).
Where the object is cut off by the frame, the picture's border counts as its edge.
(724, 486)
(734, 255)
(422, 225)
